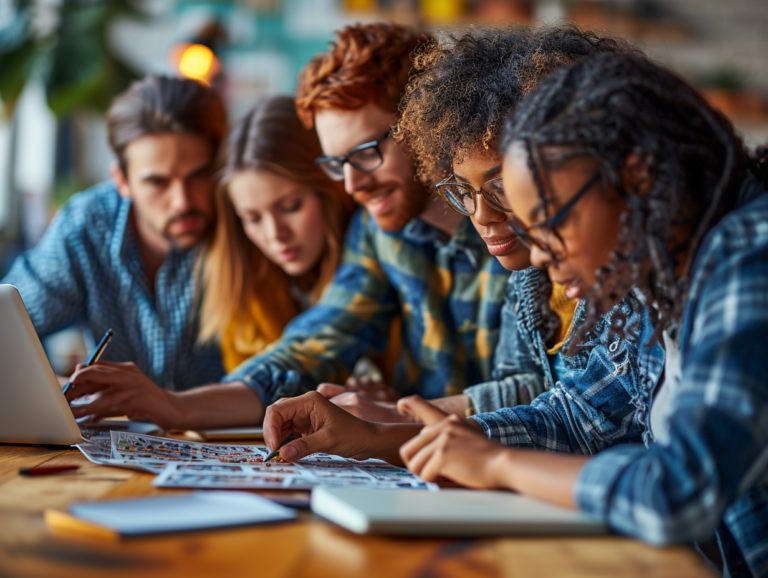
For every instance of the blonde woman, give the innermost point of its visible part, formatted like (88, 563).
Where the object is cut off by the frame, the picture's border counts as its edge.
(279, 232)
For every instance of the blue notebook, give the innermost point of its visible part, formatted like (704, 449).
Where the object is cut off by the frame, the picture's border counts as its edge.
(179, 512)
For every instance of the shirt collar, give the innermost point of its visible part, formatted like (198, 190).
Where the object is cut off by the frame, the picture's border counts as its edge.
(465, 240)
(749, 191)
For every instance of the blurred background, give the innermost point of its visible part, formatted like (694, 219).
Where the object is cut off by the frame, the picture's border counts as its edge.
(62, 61)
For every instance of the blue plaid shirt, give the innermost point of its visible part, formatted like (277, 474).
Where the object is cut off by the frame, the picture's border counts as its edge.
(448, 291)
(87, 270)
(713, 474)
(600, 401)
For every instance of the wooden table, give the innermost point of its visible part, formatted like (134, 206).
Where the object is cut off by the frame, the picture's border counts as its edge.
(310, 547)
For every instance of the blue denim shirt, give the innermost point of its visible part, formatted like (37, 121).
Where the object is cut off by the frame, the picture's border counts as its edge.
(518, 374)
(712, 474)
(603, 398)
(87, 270)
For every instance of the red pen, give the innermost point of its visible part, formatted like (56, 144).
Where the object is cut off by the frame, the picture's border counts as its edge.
(46, 470)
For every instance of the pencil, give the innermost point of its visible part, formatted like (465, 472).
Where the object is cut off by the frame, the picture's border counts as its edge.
(94, 356)
(276, 453)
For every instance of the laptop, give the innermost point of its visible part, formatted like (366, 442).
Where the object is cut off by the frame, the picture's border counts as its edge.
(32, 408)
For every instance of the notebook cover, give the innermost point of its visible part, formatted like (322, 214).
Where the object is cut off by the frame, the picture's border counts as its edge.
(447, 513)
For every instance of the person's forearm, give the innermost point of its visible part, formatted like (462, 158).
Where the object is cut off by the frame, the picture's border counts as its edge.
(219, 405)
(543, 475)
(387, 439)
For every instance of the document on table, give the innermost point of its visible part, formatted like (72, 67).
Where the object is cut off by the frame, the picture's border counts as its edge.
(184, 464)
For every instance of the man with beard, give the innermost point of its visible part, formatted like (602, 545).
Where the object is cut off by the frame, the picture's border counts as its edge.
(123, 254)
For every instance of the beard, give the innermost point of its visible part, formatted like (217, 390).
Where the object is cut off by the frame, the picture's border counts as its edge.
(408, 202)
(187, 239)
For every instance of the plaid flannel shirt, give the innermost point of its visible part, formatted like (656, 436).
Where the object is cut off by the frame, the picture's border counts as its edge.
(712, 475)
(87, 270)
(449, 292)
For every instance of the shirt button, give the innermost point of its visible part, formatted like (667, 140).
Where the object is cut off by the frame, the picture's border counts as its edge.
(614, 346)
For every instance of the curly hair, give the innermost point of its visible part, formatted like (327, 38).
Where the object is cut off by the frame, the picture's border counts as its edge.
(612, 106)
(367, 63)
(464, 87)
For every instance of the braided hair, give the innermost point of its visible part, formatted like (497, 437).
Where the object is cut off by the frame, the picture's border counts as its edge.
(612, 106)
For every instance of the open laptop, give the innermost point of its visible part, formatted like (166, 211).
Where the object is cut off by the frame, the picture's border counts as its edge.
(32, 408)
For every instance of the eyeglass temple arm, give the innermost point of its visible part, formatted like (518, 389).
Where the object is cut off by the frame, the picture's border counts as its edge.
(562, 212)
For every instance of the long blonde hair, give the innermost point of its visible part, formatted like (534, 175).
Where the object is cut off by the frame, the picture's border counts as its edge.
(240, 285)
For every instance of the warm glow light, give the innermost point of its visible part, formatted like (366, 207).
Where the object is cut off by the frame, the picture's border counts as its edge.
(197, 62)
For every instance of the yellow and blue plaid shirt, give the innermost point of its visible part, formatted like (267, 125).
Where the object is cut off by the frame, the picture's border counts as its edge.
(449, 292)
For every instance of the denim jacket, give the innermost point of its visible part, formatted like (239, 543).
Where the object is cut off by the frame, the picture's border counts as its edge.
(605, 391)
(520, 373)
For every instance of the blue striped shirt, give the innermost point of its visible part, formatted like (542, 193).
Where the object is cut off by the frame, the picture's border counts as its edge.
(87, 270)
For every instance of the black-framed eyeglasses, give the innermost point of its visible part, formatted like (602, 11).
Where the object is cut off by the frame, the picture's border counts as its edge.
(529, 241)
(365, 157)
(461, 197)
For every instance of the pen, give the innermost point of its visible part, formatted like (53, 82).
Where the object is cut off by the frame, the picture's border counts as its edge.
(45, 470)
(94, 356)
(288, 438)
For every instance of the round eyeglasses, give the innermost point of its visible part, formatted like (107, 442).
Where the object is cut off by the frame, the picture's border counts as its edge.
(461, 197)
(366, 157)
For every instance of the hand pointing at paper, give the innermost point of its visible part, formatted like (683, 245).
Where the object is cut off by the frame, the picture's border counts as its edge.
(450, 447)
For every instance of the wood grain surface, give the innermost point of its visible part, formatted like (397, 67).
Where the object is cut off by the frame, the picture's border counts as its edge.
(307, 548)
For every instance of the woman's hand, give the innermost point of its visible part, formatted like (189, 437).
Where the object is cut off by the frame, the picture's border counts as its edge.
(455, 448)
(450, 447)
(372, 389)
(123, 390)
(325, 427)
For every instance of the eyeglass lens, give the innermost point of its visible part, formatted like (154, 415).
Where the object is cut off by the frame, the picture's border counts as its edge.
(462, 198)
(367, 159)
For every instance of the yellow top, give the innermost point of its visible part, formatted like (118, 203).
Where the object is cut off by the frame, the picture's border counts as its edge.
(264, 323)
(564, 308)
(269, 313)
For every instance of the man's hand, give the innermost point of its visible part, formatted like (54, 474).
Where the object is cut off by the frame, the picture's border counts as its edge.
(363, 407)
(123, 390)
(450, 447)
